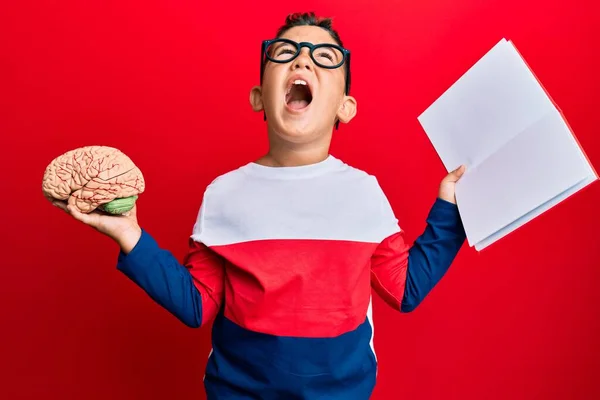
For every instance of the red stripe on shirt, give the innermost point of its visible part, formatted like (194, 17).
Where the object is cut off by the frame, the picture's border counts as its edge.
(301, 288)
(388, 269)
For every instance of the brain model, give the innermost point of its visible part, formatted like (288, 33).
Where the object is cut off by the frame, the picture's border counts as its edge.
(94, 177)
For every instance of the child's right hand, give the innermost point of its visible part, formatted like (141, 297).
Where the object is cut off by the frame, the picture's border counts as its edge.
(123, 229)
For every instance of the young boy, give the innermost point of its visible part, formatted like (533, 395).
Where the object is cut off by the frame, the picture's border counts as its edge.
(286, 249)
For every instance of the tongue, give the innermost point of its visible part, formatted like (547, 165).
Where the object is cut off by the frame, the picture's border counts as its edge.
(298, 104)
(298, 97)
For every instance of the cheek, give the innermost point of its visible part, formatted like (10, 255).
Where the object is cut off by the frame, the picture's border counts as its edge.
(272, 83)
(332, 99)
(332, 85)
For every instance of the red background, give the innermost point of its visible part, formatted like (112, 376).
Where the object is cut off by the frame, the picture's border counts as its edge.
(168, 83)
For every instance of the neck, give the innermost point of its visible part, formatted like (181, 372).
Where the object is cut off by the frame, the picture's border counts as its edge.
(286, 154)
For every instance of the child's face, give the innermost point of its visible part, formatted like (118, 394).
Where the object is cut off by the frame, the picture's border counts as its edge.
(299, 115)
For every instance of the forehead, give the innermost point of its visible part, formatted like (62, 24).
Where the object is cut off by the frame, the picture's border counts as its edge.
(312, 34)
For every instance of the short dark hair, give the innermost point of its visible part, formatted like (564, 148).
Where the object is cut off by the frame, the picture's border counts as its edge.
(310, 19)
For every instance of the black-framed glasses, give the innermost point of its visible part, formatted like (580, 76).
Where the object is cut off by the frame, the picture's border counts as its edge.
(324, 55)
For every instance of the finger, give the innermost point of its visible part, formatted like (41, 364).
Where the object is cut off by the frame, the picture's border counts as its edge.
(87, 219)
(78, 215)
(60, 204)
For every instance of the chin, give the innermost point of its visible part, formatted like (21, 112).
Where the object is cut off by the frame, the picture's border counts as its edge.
(296, 131)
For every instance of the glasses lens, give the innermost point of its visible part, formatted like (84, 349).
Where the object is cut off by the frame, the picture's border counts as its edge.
(281, 51)
(328, 56)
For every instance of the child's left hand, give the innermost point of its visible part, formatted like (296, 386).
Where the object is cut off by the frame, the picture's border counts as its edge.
(448, 185)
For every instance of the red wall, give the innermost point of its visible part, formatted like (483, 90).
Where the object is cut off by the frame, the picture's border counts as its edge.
(168, 83)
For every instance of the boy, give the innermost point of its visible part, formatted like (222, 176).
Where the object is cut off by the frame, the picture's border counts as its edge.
(286, 249)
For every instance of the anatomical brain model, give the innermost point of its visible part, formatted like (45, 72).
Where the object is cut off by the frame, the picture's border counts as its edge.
(94, 177)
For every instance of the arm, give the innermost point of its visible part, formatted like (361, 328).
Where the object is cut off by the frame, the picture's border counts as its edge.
(191, 291)
(403, 275)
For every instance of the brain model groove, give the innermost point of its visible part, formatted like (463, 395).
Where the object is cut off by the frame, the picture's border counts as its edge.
(94, 177)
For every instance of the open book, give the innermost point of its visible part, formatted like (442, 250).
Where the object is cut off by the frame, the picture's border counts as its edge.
(521, 156)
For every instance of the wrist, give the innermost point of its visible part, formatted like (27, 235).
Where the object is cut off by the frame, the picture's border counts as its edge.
(128, 238)
(445, 202)
(447, 199)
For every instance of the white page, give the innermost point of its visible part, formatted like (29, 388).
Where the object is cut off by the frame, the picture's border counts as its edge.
(532, 214)
(537, 165)
(485, 108)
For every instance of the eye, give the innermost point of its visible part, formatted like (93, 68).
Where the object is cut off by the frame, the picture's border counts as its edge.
(286, 51)
(326, 55)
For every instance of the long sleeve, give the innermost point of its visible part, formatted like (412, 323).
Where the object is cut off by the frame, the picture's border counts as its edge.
(191, 291)
(403, 274)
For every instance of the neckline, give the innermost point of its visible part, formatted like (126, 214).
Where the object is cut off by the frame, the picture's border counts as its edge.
(329, 164)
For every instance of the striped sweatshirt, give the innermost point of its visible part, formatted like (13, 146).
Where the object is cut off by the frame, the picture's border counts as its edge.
(283, 261)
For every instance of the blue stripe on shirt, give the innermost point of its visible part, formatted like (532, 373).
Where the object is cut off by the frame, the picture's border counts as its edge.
(164, 279)
(432, 253)
(253, 365)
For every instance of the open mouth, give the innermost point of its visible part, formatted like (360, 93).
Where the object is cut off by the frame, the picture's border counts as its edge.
(298, 95)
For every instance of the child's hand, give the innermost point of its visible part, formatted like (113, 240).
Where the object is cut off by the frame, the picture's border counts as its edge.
(123, 229)
(447, 187)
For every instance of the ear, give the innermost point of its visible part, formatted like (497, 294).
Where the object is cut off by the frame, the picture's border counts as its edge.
(347, 109)
(256, 99)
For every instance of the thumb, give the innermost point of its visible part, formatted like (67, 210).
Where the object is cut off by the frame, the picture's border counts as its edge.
(459, 171)
(131, 213)
(455, 175)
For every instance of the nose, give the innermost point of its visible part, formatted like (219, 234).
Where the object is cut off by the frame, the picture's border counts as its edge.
(303, 60)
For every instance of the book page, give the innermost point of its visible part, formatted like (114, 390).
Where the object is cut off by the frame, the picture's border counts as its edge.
(533, 213)
(487, 107)
(540, 163)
